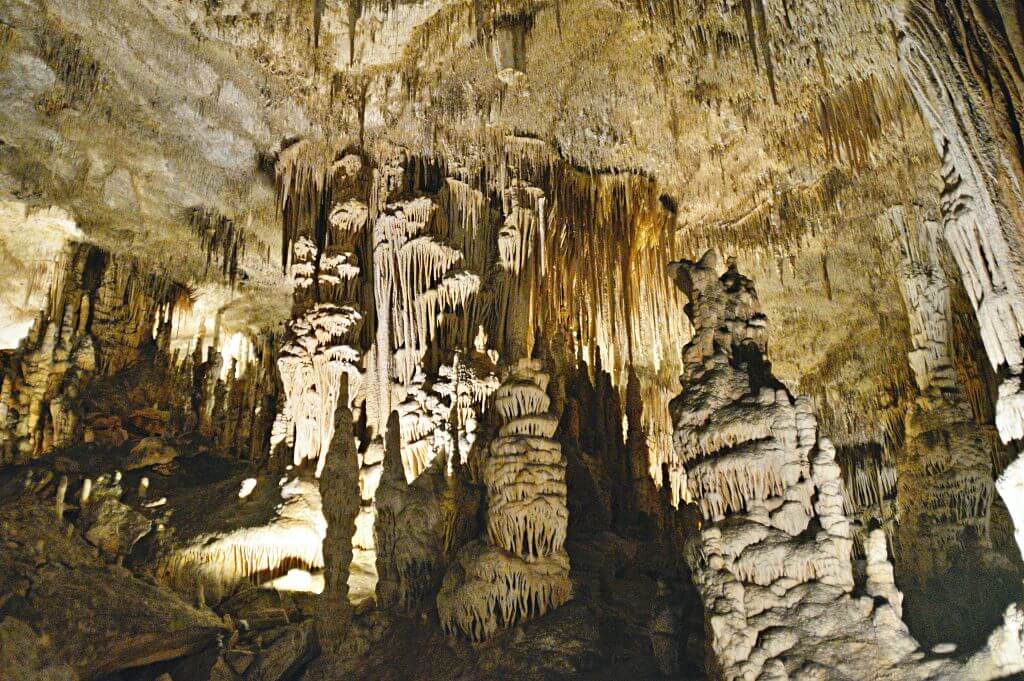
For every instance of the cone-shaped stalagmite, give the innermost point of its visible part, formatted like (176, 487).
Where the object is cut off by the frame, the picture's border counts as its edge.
(339, 494)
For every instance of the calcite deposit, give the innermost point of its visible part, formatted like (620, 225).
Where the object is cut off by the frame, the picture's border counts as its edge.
(520, 569)
(490, 339)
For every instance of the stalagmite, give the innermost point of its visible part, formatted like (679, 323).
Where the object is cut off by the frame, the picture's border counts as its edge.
(409, 532)
(345, 326)
(62, 490)
(84, 334)
(763, 556)
(520, 570)
(339, 497)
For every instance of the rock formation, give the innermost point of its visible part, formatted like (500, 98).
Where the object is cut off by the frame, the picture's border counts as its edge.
(339, 485)
(409, 532)
(945, 477)
(263, 263)
(520, 569)
(981, 165)
(772, 548)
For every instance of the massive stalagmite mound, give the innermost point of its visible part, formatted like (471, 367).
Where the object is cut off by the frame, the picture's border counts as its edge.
(520, 569)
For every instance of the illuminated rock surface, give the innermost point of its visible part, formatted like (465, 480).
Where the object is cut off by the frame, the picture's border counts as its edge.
(340, 339)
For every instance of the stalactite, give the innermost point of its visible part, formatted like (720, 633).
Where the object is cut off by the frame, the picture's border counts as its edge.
(323, 343)
(418, 280)
(304, 174)
(81, 75)
(311, 369)
(224, 241)
(984, 181)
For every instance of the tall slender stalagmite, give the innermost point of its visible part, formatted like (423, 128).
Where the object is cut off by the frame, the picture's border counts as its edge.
(339, 494)
(408, 532)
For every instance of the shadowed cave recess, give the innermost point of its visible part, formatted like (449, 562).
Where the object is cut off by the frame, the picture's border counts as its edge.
(511, 339)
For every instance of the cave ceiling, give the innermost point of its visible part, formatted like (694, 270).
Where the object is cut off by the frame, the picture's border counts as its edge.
(663, 338)
(778, 134)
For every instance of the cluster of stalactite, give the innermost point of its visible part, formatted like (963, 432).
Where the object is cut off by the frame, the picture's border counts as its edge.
(402, 248)
(223, 240)
(322, 344)
(963, 64)
(773, 536)
(544, 259)
(312, 365)
(869, 490)
(584, 253)
(520, 569)
(103, 316)
(418, 279)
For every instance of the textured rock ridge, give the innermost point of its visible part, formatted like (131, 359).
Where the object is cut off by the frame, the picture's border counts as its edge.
(948, 54)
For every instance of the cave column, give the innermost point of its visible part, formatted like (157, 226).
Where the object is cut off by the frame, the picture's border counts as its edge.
(944, 483)
(322, 338)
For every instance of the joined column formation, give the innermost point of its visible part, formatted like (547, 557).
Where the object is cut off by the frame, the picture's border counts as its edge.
(945, 483)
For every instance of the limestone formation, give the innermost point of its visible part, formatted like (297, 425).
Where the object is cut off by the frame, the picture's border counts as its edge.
(216, 563)
(339, 497)
(773, 538)
(263, 263)
(312, 367)
(945, 487)
(520, 570)
(80, 335)
(409, 534)
(975, 133)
